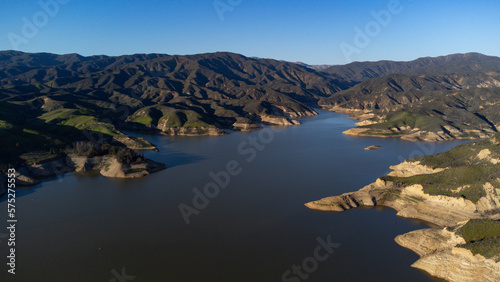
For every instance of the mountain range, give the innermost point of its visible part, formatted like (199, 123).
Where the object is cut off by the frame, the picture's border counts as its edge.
(429, 99)
(48, 102)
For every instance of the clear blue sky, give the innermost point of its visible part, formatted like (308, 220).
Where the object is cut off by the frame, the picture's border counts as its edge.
(293, 30)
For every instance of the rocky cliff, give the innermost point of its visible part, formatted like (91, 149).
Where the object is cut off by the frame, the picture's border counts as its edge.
(412, 127)
(441, 256)
(447, 190)
(108, 166)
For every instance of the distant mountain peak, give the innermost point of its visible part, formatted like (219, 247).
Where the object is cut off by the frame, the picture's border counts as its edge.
(315, 67)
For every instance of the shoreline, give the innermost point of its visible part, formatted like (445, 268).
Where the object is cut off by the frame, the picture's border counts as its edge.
(437, 246)
(109, 166)
(366, 118)
(33, 178)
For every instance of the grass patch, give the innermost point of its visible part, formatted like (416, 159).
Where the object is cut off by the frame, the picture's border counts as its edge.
(479, 229)
(463, 169)
(457, 156)
(391, 194)
(482, 237)
(75, 119)
(58, 115)
(145, 120)
(175, 119)
(461, 155)
(407, 119)
(444, 182)
(40, 157)
(488, 248)
(196, 120)
(134, 170)
(186, 119)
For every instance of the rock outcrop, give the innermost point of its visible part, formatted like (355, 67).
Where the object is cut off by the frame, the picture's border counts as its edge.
(107, 166)
(134, 143)
(191, 131)
(414, 134)
(245, 126)
(440, 256)
(373, 147)
(485, 154)
(113, 168)
(411, 201)
(438, 248)
(408, 168)
(273, 120)
(439, 210)
(373, 124)
(33, 174)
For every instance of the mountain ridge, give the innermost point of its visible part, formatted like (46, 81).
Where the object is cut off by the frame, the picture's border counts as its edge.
(450, 99)
(360, 71)
(57, 96)
(429, 99)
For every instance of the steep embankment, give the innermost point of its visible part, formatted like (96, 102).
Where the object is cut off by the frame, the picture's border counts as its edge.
(49, 101)
(446, 254)
(454, 190)
(108, 160)
(421, 114)
(106, 165)
(430, 99)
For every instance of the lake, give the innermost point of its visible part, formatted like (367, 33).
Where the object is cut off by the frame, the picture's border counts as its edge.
(85, 227)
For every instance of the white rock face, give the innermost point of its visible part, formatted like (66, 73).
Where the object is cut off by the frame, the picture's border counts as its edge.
(407, 169)
(438, 248)
(486, 155)
(440, 257)
(279, 120)
(440, 210)
(458, 264)
(492, 199)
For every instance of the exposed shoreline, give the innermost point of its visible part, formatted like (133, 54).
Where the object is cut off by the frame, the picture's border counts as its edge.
(367, 118)
(109, 166)
(437, 247)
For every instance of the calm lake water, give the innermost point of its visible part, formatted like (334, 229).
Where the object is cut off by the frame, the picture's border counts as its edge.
(92, 228)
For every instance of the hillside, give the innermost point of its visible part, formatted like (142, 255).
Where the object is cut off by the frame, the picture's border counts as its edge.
(56, 100)
(459, 191)
(48, 102)
(430, 99)
(451, 64)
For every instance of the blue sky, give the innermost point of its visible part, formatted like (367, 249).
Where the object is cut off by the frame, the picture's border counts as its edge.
(308, 31)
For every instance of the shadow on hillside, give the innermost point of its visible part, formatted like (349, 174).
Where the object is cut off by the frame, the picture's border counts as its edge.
(40, 142)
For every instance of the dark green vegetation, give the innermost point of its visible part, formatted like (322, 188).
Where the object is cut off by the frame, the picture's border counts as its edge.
(457, 95)
(48, 101)
(482, 237)
(465, 172)
(123, 155)
(463, 154)
(447, 182)
(458, 64)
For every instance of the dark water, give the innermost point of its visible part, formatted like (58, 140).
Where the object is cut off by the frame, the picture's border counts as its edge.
(92, 228)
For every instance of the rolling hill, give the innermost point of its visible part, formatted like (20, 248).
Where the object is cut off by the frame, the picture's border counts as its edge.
(429, 99)
(48, 101)
(56, 100)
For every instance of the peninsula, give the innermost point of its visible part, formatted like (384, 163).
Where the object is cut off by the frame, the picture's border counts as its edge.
(457, 190)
